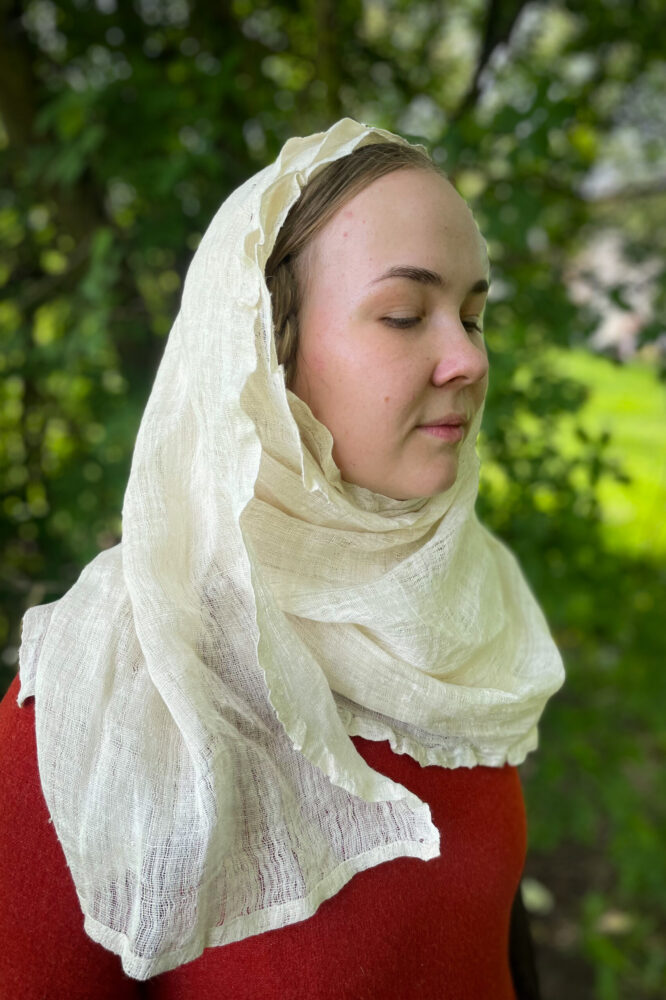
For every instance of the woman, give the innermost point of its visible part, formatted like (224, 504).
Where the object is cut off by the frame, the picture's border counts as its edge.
(284, 715)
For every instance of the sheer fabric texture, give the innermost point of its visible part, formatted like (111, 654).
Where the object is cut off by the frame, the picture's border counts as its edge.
(196, 689)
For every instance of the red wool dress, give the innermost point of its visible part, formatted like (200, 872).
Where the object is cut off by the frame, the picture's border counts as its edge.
(404, 930)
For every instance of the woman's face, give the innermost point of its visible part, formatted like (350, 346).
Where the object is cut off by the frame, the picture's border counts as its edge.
(394, 288)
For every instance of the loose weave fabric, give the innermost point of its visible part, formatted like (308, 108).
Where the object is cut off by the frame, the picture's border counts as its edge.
(196, 689)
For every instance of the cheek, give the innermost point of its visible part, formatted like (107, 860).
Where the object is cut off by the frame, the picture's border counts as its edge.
(317, 335)
(325, 376)
(352, 377)
(329, 349)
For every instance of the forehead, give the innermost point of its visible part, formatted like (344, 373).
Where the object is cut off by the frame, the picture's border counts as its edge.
(416, 214)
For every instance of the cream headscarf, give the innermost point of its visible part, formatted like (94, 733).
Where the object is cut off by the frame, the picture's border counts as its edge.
(195, 690)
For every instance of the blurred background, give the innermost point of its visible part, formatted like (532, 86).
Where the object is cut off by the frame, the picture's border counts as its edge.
(122, 128)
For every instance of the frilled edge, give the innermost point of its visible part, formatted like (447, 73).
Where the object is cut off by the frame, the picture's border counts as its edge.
(248, 925)
(34, 626)
(464, 755)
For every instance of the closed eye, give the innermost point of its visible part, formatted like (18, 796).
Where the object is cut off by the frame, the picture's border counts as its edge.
(405, 322)
(401, 322)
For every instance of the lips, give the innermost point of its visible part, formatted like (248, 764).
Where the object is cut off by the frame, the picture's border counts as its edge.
(444, 432)
(450, 420)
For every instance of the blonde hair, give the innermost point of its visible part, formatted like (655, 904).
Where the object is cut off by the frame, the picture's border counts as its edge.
(319, 200)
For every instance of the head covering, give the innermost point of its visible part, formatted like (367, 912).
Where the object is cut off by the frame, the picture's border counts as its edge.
(195, 690)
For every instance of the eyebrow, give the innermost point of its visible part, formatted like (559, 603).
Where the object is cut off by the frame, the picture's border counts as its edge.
(425, 277)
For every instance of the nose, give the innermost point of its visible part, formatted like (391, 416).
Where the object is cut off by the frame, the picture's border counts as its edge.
(460, 353)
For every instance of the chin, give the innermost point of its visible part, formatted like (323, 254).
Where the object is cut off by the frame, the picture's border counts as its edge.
(431, 485)
(420, 483)
(424, 489)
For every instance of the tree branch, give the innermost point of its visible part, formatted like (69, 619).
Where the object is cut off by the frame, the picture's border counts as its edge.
(501, 15)
(631, 192)
(328, 56)
(79, 206)
(17, 85)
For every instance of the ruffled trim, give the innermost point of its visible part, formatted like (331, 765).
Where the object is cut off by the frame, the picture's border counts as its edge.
(35, 625)
(441, 755)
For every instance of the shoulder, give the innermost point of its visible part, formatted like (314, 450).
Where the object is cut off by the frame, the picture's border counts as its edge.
(20, 787)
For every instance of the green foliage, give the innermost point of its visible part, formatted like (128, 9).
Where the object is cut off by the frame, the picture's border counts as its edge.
(121, 133)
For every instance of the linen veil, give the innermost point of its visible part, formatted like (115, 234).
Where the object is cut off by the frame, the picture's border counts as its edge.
(195, 690)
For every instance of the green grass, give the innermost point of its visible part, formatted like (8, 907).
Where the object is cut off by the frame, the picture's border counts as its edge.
(628, 401)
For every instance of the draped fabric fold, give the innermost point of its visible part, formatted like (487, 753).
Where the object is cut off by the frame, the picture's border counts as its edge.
(196, 689)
